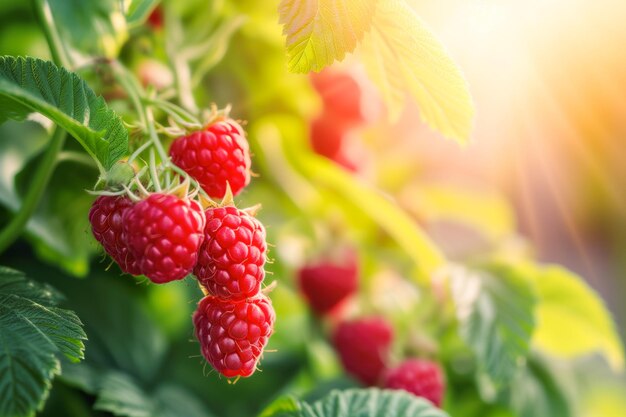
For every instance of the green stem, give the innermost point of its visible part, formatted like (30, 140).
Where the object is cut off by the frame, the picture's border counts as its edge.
(57, 50)
(154, 137)
(35, 191)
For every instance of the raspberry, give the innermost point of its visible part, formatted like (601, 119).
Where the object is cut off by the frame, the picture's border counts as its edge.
(341, 95)
(326, 284)
(105, 217)
(326, 137)
(363, 347)
(420, 377)
(214, 156)
(164, 234)
(231, 259)
(232, 334)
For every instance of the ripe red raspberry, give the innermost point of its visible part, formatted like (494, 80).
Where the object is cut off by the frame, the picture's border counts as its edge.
(232, 334)
(363, 347)
(326, 284)
(164, 233)
(214, 156)
(420, 377)
(105, 217)
(231, 259)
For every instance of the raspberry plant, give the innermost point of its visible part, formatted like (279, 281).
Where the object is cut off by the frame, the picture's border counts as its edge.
(185, 116)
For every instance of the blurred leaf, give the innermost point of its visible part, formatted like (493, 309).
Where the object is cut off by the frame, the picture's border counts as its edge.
(402, 56)
(122, 336)
(120, 395)
(33, 335)
(96, 28)
(604, 400)
(487, 213)
(322, 31)
(57, 230)
(137, 11)
(346, 190)
(536, 392)
(381, 209)
(20, 143)
(31, 85)
(359, 403)
(283, 406)
(494, 309)
(572, 319)
(60, 232)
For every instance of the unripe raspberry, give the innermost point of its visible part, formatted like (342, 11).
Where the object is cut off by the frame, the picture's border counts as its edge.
(420, 377)
(214, 156)
(107, 226)
(231, 259)
(164, 234)
(327, 283)
(233, 334)
(363, 346)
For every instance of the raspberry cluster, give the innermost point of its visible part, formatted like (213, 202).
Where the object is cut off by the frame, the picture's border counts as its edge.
(364, 345)
(166, 237)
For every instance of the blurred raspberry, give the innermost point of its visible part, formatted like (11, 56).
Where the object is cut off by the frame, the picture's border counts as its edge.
(363, 346)
(327, 283)
(420, 377)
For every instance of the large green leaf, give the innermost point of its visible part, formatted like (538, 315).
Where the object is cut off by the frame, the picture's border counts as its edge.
(30, 85)
(572, 319)
(494, 308)
(34, 334)
(357, 403)
(322, 31)
(402, 56)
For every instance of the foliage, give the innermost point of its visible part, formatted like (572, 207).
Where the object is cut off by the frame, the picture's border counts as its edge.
(29, 84)
(505, 328)
(34, 334)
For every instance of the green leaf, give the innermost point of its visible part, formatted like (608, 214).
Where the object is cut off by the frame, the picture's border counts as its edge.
(494, 310)
(358, 403)
(31, 85)
(121, 395)
(283, 406)
(322, 31)
(401, 55)
(96, 28)
(537, 392)
(572, 319)
(33, 336)
(122, 335)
